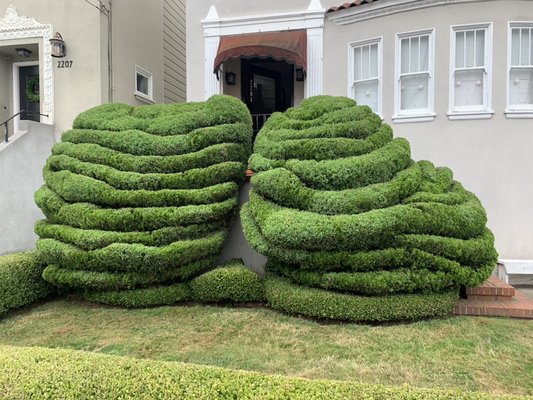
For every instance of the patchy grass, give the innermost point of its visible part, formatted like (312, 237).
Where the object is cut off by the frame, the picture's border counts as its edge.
(487, 354)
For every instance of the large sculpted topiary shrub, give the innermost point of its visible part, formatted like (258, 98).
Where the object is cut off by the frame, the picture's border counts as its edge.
(352, 227)
(139, 200)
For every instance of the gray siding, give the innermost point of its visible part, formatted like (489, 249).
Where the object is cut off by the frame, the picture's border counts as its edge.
(174, 51)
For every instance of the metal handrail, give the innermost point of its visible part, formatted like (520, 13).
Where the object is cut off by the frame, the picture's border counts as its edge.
(6, 127)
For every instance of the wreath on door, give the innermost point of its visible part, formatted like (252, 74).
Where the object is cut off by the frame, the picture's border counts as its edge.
(31, 94)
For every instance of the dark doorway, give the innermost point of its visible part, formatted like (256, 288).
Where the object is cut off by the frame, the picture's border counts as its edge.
(267, 86)
(29, 76)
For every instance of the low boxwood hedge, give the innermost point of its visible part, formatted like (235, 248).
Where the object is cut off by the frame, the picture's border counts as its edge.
(64, 374)
(285, 296)
(21, 281)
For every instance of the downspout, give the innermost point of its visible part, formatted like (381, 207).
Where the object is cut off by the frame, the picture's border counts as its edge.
(110, 77)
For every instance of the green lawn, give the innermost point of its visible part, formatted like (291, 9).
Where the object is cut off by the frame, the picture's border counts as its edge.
(487, 354)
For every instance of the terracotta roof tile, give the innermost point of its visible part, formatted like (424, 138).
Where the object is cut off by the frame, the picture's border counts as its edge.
(345, 6)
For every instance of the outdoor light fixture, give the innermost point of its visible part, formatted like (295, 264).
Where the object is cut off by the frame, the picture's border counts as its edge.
(231, 78)
(23, 53)
(300, 75)
(59, 47)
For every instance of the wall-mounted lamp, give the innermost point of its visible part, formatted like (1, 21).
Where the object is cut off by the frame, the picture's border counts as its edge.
(231, 78)
(59, 47)
(300, 75)
(23, 53)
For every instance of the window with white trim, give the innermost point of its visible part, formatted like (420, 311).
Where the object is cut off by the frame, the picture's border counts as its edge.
(143, 84)
(364, 82)
(470, 71)
(414, 76)
(520, 67)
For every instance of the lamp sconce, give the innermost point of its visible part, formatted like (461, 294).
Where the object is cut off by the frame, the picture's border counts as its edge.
(300, 74)
(231, 78)
(23, 53)
(59, 47)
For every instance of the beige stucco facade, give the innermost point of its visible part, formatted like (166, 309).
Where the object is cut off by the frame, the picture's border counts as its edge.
(104, 50)
(490, 156)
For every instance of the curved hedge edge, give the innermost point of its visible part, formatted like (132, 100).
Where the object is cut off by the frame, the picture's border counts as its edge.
(153, 296)
(318, 303)
(58, 373)
(21, 282)
(90, 280)
(232, 281)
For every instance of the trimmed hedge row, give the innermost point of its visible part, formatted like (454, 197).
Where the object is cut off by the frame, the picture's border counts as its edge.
(285, 296)
(128, 257)
(353, 217)
(78, 188)
(91, 280)
(63, 374)
(141, 197)
(21, 282)
(96, 154)
(142, 143)
(90, 216)
(231, 282)
(86, 239)
(195, 178)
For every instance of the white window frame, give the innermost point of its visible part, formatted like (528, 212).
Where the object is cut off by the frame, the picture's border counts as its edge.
(515, 111)
(351, 78)
(140, 95)
(472, 112)
(418, 115)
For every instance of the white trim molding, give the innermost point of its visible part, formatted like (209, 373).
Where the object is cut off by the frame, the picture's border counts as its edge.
(311, 19)
(386, 7)
(12, 27)
(518, 111)
(420, 114)
(484, 110)
(141, 96)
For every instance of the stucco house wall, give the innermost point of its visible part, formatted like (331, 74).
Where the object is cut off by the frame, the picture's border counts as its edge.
(491, 157)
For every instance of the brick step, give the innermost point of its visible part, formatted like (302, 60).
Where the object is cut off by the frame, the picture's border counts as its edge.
(495, 298)
(493, 289)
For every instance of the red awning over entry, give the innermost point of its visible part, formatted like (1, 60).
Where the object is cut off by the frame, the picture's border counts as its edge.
(290, 46)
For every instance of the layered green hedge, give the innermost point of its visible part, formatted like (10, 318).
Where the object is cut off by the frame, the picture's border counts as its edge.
(232, 282)
(353, 228)
(21, 281)
(138, 201)
(64, 374)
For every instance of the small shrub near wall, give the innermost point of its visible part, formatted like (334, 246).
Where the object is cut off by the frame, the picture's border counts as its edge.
(21, 281)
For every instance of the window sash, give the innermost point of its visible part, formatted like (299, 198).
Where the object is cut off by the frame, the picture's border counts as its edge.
(414, 61)
(520, 67)
(470, 55)
(365, 61)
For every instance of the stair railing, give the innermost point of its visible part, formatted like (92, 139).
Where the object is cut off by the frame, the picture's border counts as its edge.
(6, 126)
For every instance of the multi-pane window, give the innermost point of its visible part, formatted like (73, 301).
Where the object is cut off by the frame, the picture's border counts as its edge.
(470, 69)
(365, 82)
(414, 73)
(521, 67)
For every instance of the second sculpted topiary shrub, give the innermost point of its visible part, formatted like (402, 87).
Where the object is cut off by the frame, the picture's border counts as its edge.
(354, 229)
(138, 201)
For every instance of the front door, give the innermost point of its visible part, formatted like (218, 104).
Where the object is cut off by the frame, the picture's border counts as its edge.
(29, 92)
(267, 86)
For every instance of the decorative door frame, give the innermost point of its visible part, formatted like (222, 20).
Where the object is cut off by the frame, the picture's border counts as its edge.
(310, 19)
(16, 27)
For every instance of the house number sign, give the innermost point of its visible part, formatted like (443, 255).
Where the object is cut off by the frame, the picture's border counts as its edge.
(64, 64)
